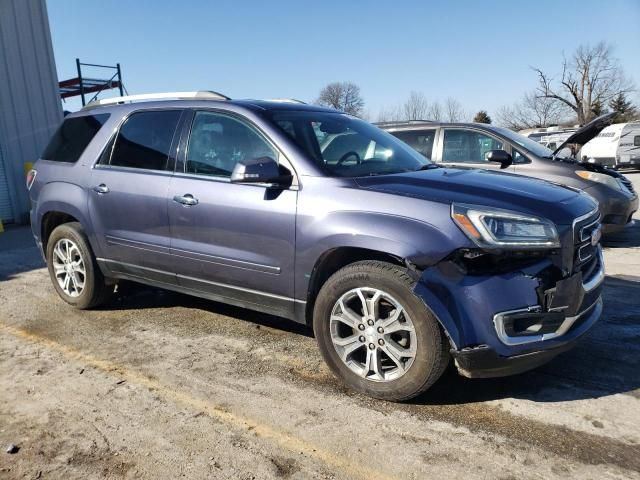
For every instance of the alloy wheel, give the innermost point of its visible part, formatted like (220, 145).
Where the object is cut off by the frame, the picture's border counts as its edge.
(373, 334)
(68, 267)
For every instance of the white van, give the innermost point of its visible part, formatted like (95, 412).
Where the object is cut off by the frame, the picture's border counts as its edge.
(616, 146)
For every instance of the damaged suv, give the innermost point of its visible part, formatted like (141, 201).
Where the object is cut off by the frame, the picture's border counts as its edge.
(310, 214)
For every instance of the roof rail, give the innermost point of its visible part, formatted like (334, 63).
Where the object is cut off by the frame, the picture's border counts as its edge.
(402, 122)
(285, 100)
(201, 95)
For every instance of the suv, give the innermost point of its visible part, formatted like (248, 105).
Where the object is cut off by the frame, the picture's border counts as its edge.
(398, 264)
(477, 145)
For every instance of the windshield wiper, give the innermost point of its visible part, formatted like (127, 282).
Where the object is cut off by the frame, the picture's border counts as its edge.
(427, 166)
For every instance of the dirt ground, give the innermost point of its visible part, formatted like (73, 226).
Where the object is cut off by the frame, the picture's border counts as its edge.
(161, 385)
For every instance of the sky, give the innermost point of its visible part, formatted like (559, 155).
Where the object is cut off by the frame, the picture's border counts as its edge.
(479, 52)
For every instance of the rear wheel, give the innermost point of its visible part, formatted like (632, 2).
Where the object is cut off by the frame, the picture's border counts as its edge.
(73, 268)
(376, 335)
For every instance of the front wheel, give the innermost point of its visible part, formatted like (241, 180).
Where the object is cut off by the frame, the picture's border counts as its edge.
(73, 268)
(376, 335)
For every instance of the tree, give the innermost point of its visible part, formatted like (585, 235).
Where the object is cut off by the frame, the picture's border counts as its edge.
(416, 106)
(597, 108)
(435, 112)
(390, 114)
(532, 111)
(453, 110)
(482, 117)
(344, 96)
(592, 75)
(625, 110)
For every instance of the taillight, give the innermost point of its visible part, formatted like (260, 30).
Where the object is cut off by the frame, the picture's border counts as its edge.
(31, 177)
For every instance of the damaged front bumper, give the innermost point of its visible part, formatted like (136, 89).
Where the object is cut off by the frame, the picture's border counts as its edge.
(508, 323)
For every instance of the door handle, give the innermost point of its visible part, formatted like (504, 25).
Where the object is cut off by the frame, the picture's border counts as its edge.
(187, 200)
(101, 189)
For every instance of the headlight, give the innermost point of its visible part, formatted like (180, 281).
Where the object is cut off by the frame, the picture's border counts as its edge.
(607, 180)
(501, 228)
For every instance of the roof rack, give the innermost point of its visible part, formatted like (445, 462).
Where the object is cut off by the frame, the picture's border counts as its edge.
(285, 100)
(201, 95)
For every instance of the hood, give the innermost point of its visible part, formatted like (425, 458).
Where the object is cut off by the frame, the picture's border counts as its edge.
(588, 131)
(482, 187)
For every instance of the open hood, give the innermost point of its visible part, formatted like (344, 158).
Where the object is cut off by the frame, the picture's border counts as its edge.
(588, 131)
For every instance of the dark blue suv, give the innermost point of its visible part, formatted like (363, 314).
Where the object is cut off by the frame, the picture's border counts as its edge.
(399, 265)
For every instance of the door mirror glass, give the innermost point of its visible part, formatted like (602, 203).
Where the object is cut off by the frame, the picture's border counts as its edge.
(261, 170)
(499, 156)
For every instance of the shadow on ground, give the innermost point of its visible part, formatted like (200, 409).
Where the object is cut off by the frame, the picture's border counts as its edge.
(605, 362)
(133, 296)
(18, 253)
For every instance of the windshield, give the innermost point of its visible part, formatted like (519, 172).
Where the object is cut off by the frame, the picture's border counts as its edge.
(531, 145)
(346, 146)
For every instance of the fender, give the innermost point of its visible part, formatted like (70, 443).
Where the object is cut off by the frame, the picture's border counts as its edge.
(74, 204)
(414, 241)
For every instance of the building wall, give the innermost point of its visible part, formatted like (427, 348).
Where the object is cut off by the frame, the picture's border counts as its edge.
(30, 108)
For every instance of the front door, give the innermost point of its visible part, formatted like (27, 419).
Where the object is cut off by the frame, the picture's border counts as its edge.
(233, 242)
(128, 197)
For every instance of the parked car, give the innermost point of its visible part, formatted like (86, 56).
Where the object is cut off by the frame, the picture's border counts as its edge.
(617, 146)
(475, 145)
(398, 265)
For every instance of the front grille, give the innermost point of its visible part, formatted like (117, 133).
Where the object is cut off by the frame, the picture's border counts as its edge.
(627, 183)
(585, 253)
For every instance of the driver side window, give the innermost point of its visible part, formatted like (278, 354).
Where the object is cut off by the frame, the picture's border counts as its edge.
(467, 146)
(217, 142)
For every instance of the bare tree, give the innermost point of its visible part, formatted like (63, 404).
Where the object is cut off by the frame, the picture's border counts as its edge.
(435, 112)
(344, 96)
(416, 107)
(592, 76)
(533, 111)
(453, 110)
(390, 114)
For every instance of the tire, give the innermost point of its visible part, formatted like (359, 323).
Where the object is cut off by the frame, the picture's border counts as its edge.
(415, 330)
(85, 287)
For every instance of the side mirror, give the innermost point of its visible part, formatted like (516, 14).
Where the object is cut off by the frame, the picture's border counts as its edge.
(499, 156)
(261, 170)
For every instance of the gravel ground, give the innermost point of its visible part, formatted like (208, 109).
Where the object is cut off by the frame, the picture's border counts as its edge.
(161, 385)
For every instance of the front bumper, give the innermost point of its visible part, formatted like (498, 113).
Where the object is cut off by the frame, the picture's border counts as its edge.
(616, 208)
(484, 362)
(498, 325)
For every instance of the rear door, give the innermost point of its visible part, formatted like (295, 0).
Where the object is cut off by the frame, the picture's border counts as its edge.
(128, 196)
(233, 242)
(466, 147)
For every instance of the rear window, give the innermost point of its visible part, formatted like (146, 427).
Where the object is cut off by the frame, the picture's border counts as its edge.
(419, 140)
(145, 139)
(72, 137)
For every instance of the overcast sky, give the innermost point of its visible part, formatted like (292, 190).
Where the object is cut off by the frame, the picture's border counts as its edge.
(479, 52)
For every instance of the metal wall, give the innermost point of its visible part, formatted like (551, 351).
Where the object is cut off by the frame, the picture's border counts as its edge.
(30, 108)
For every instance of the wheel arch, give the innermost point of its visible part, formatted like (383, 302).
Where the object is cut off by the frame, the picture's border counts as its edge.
(333, 259)
(58, 203)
